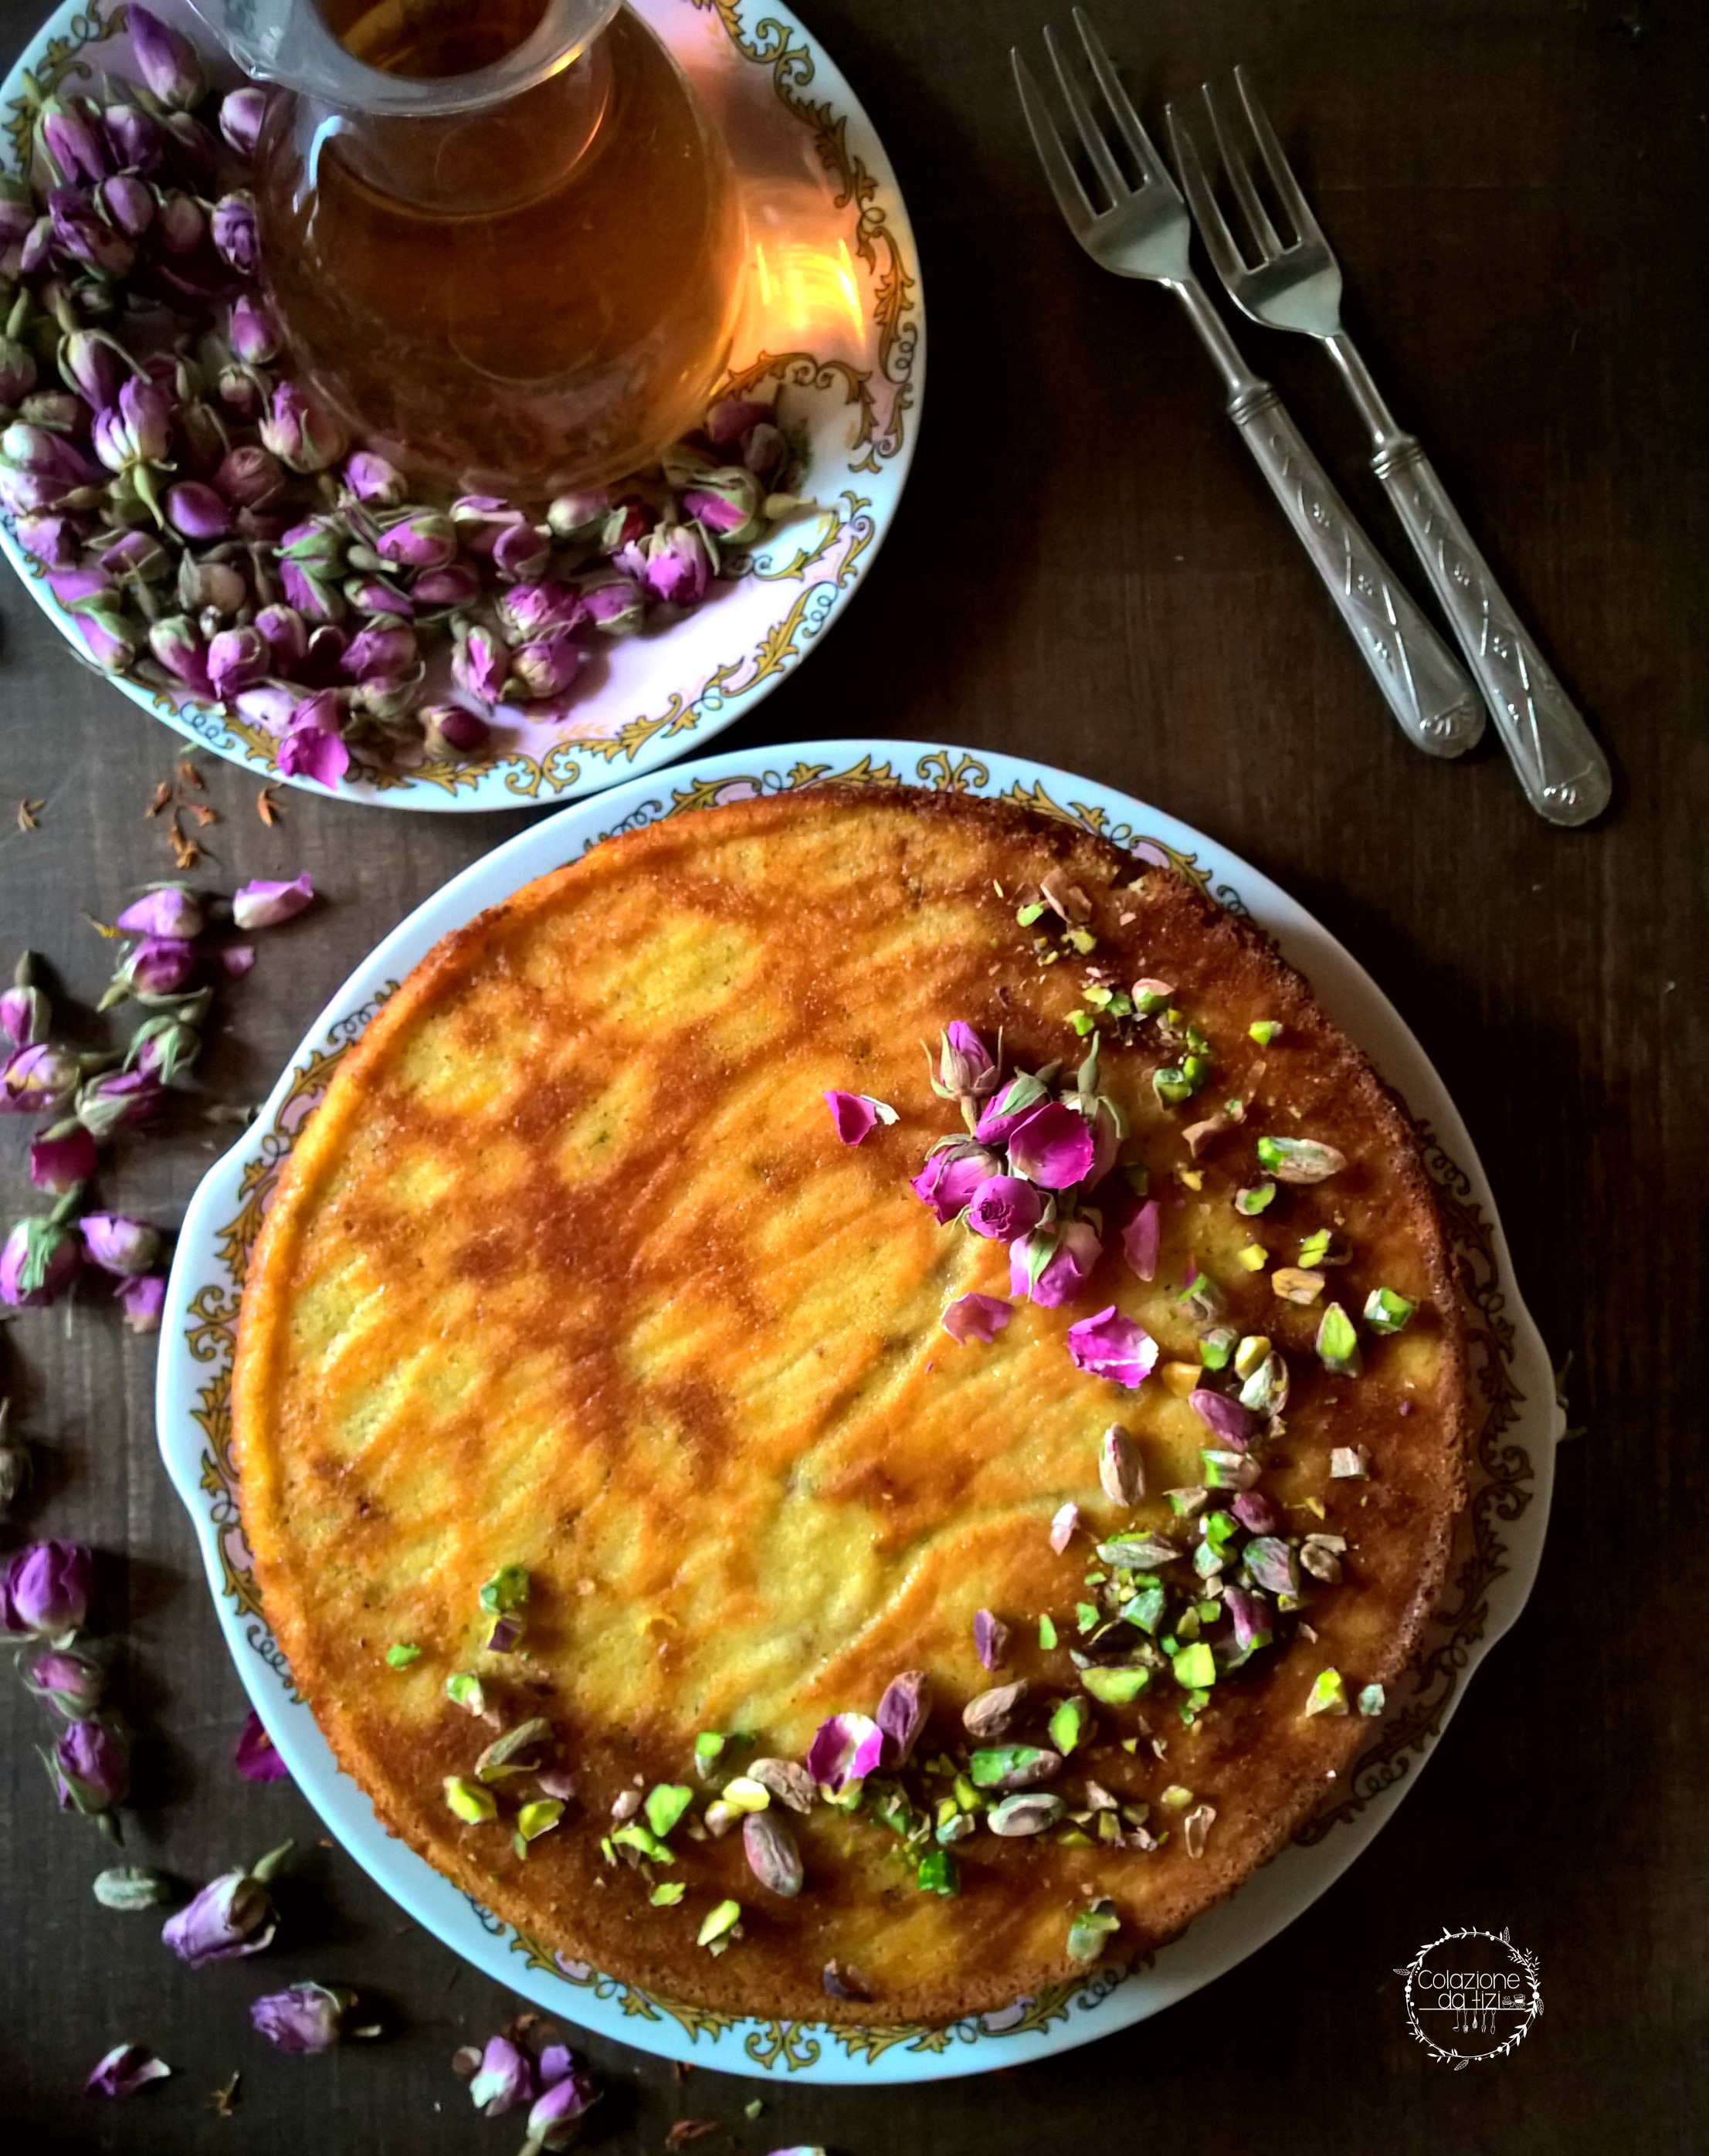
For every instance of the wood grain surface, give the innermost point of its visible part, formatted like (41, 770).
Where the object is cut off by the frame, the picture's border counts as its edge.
(1517, 190)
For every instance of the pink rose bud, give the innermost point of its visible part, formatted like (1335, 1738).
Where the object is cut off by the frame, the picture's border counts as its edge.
(168, 910)
(237, 658)
(38, 1081)
(241, 114)
(391, 649)
(91, 1768)
(304, 2017)
(75, 144)
(731, 416)
(46, 1590)
(116, 1100)
(521, 552)
(535, 610)
(138, 429)
(137, 139)
(59, 1163)
(454, 733)
(25, 1012)
(424, 540)
(250, 477)
(265, 905)
(1003, 1207)
(80, 231)
(118, 1244)
(965, 1068)
(547, 667)
(456, 585)
(129, 203)
(195, 512)
(576, 519)
(300, 432)
(952, 1175)
(1066, 1268)
(142, 1300)
(678, 567)
(72, 1684)
(286, 633)
(231, 1916)
(53, 541)
(481, 518)
(480, 664)
(183, 223)
(236, 235)
(168, 64)
(157, 967)
(618, 605)
(375, 480)
(255, 336)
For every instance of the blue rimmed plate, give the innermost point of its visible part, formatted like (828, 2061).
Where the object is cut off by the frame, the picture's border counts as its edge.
(1500, 1536)
(834, 320)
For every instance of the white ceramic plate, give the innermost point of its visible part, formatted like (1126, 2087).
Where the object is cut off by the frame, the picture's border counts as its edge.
(835, 316)
(1496, 1559)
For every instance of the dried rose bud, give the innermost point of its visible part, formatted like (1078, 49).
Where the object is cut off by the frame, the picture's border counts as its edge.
(238, 659)
(18, 370)
(171, 910)
(195, 512)
(498, 2076)
(154, 969)
(255, 1754)
(211, 588)
(39, 450)
(481, 518)
(183, 223)
(241, 114)
(990, 1713)
(452, 733)
(61, 1159)
(71, 1683)
(521, 553)
(236, 234)
(545, 667)
(118, 1244)
(423, 540)
(388, 650)
(306, 2017)
(136, 430)
(73, 141)
(255, 336)
(616, 605)
(731, 416)
(25, 1012)
(1005, 1207)
(261, 905)
(38, 1080)
(902, 1714)
(129, 203)
(455, 585)
(772, 1855)
(46, 1590)
(554, 2118)
(142, 1300)
(232, 1916)
(39, 1259)
(169, 64)
(116, 1099)
(127, 2068)
(80, 231)
(53, 541)
(1051, 1265)
(576, 519)
(673, 563)
(91, 1768)
(480, 665)
(537, 609)
(300, 432)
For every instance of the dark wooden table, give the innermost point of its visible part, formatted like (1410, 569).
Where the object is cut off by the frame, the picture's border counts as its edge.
(1518, 192)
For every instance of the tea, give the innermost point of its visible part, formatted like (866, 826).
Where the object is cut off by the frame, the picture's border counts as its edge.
(517, 298)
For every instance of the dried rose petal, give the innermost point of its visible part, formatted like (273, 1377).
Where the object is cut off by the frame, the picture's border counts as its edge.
(856, 1115)
(990, 1639)
(846, 1748)
(1062, 1525)
(46, 1589)
(976, 1317)
(142, 1300)
(501, 2080)
(1142, 1238)
(262, 905)
(254, 1755)
(902, 1714)
(1052, 1146)
(304, 2017)
(127, 2067)
(118, 1244)
(1075, 1250)
(1111, 1345)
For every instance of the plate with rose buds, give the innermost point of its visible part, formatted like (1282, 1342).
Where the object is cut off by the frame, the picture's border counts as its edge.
(205, 533)
(1514, 1415)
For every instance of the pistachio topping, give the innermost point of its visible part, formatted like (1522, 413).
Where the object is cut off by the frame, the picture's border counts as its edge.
(1263, 1030)
(1338, 1343)
(1069, 1725)
(1092, 1930)
(1195, 1667)
(1014, 1766)
(506, 1591)
(938, 1873)
(1324, 1247)
(402, 1653)
(709, 1748)
(1386, 1312)
(1299, 1160)
(1253, 1256)
(1116, 1687)
(1328, 1694)
(1031, 1812)
(534, 1820)
(1229, 1470)
(1321, 1555)
(1265, 1391)
(665, 1804)
(719, 1927)
(1253, 1197)
(772, 1855)
(632, 1835)
(1349, 1463)
(463, 1688)
(1294, 1285)
(790, 1783)
(472, 1804)
(667, 1893)
(1177, 1798)
(1120, 1470)
(1373, 1700)
(744, 1794)
(1047, 1632)
(517, 1752)
(990, 1712)
(1138, 1552)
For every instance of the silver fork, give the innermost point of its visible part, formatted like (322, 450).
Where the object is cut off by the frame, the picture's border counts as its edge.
(1145, 232)
(1296, 284)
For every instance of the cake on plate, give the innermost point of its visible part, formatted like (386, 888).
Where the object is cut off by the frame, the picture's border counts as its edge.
(851, 1405)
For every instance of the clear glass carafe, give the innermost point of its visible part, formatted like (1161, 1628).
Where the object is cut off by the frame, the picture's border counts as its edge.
(502, 236)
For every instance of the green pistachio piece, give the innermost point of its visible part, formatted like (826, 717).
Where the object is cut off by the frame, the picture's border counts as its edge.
(1149, 995)
(1249, 1355)
(1027, 915)
(1195, 1667)
(1011, 1766)
(1386, 1312)
(1146, 1606)
(1082, 939)
(1069, 1724)
(1136, 1554)
(537, 1818)
(1170, 1085)
(506, 1591)
(666, 1802)
(504, 1757)
(402, 1653)
(1299, 1160)
(1252, 1197)
(1047, 1632)
(1263, 1030)
(1216, 1346)
(1115, 1687)
(1177, 1798)
(719, 1922)
(1082, 1022)
(667, 1893)
(938, 1873)
(709, 1746)
(1091, 1929)
(463, 1688)
(1338, 1343)
(632, 1835)
(472, 1804)
(1328, 1694)
(1373, 1699)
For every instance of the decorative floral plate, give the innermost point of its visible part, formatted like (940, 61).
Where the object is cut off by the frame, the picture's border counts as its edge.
(1501, 1539)
(834, 319)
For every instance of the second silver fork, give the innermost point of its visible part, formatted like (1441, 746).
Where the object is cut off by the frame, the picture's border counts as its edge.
(1145, 232)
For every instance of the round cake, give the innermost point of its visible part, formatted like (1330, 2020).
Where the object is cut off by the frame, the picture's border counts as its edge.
(851, 1406)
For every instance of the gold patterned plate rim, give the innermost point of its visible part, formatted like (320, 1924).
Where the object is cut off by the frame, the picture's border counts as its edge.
(674, 689)
(1517, 1421)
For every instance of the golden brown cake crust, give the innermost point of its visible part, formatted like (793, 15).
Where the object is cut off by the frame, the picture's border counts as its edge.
(569, 1271)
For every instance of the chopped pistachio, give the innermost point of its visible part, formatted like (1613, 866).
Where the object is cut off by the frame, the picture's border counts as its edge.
(537, 1818)
(402, 1653)
(1176, 1798)
(709, 1747)
(1091, 1930)
(1011, 1766)
(1293, 1285)
(1263, 1030)
(1047, 1632)
(744, 1794)
(1195, 1667)
(1299, 1160)
(1349, 1463)
(1189, 1502)
(1249, 1355)
(472, 1804)
(666, 1802)
(463, 1688)
(667, 1893)
(1328, 1694)
(1180, 1378)
(1082, 939)
(967, 1796)
(1115, 1687)
(504, 1758)
(1085, 1615)
(1252, 1197)
(1323, 1247)
(1190, 1178)
(719, 1922)
(1025, 916)
(937, 1873)
(1227, 1471)
(506, 1591)
(1386, 1312)
(632, 1835)
(1321, 1555)
(1146, 1606)
(1083, 1022)
(1069, 1725)
(1149, 995)
(1373, 1699)
(1338, 1343)
(1266, 1392)
(1170, 1085)
(1029, 1811)
(1253, 1256)
(1136, 1554)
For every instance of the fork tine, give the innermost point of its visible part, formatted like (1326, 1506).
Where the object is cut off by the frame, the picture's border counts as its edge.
(1121, 105)
(1263, 232)
(1281, 172)
(1092, 134)
(1207, 215)
(1064, 182)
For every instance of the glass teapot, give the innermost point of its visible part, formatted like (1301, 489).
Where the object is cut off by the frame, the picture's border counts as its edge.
(503, 237)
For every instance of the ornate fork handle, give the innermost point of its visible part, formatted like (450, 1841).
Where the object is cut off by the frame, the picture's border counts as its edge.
(1564, 773)
(1429, 694)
